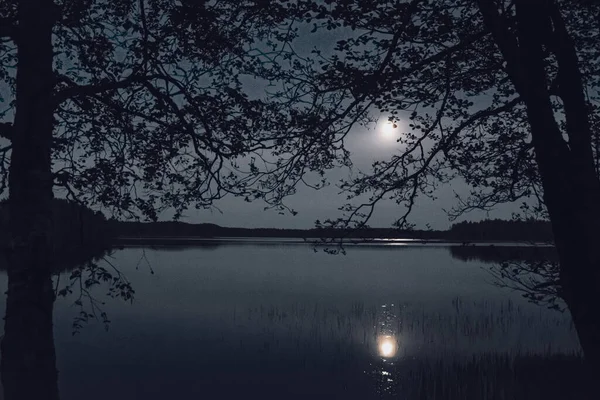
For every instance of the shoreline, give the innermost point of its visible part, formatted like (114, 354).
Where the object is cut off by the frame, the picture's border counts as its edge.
(129, 241)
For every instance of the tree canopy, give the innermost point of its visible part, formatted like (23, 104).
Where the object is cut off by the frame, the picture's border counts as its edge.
(161, 104)
(456, 72)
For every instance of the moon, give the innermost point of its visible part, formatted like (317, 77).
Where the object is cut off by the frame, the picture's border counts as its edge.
(388, 131)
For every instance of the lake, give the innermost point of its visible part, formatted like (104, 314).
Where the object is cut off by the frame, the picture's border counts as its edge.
(275, 319)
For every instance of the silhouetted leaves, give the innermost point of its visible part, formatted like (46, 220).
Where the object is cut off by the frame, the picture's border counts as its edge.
(436, 68)
(86, 278)
(160, 104)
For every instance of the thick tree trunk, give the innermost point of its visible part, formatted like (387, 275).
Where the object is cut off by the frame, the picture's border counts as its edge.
(571, 186)
(28, 357)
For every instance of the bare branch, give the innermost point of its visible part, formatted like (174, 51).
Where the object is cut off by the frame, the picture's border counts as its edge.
(75, 90)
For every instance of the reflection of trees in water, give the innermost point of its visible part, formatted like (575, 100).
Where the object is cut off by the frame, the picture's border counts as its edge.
(28, 353)
(28, 330)
(82, 281)
(531, 270)
(81, 243)
(497, 254)
(538, 281)
(66, 261)
(31, 260)
(78, 272)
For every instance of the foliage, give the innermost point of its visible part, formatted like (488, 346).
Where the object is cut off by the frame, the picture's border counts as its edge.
(538, 281)
(502, 95)
(153, 109)
(82, 281)
(439, 71)
(162, 104)
(532, 271)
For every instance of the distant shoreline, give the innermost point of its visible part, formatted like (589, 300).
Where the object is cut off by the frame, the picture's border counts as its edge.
(481, 251)
(487, 231)
(128, 241)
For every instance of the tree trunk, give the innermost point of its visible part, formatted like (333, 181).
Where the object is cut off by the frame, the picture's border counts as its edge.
(571, 186)
(28, 357)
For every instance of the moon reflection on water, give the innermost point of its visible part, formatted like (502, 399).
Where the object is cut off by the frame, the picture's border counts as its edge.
(384, 369)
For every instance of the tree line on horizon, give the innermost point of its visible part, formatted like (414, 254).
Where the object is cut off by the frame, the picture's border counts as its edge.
(79, 233)
(485, 230)
(530, 230)
(83, 231)
(80, 230)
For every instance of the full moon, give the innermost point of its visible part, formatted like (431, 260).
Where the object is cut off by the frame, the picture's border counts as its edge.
(388, 131)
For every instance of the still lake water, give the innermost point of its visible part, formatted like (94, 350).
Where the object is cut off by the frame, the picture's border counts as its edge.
(278, 320)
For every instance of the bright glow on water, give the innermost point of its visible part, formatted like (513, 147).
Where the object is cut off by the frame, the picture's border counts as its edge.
(387, 346)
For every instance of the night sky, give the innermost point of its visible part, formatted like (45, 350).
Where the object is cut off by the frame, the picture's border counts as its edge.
(366, 146)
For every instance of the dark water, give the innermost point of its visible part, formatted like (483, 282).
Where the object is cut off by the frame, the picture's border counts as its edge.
(281, 321)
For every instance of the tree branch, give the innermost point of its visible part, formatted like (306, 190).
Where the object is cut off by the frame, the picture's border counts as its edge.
(442, 55)
(89, 90)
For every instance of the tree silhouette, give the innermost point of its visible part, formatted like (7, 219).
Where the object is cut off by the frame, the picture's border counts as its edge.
(137, 106)
(533, 231)
(502, 94)
(78, 232)
(142, 105)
